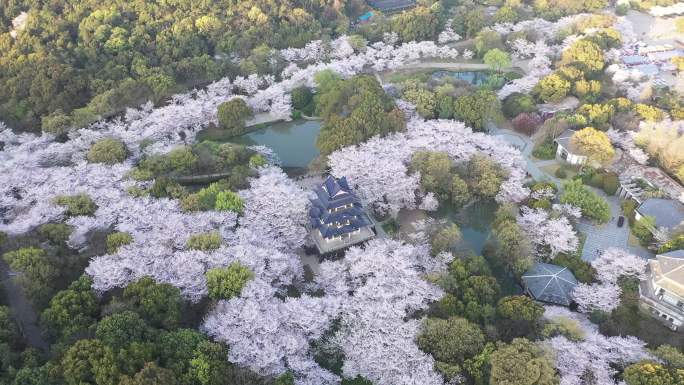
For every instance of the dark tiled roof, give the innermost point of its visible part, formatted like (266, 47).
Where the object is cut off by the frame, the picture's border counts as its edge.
(328, 216)
(668, 213)
(550, 283)
(564, 139)
(391, 5)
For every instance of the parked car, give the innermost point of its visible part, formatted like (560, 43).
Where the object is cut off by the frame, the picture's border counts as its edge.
(621, 221)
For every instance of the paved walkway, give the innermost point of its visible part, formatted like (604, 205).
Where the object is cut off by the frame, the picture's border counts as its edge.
(603, 236)
(525, 144)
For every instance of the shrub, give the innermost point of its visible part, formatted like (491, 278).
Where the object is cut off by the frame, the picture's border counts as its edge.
(450, 340)
(107, 151)
(621, 9)
(229, 201)
(116, 240)
(257, 160)
(232, 115)
(545, 150)
(38, 274)
(76, 205)
(56, 233)
(204, 241)
(561, 173)
(592, 205)
(167, 187)
(628, 208)
(226, 283)
(611, 183)
(517, 103)
(527, 122)
(206, 198)
(642, 230)
(567, 327)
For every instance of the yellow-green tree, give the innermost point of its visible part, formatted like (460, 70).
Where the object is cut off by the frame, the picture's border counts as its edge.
(584, 53)
(594, 144)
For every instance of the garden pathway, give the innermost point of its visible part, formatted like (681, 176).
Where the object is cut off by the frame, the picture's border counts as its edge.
(525, 144)
(603, 236)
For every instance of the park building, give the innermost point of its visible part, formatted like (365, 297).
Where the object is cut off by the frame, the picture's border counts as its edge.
(662, 292)
(549, 283)
(337, 217)
(567, 151)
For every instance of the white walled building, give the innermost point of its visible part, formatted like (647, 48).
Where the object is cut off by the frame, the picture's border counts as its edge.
(662, 293)
(566, 151)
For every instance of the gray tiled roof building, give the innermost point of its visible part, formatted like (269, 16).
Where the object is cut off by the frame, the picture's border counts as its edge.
(549, 283)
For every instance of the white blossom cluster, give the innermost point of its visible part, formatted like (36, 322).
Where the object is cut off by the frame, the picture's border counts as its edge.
(550, 236)
(448, 35)
(379, 167)
(385, 279)
(270, 335)
(595, 353)
(631, 81)
(611, 265)
(625, 140)
(674, 9)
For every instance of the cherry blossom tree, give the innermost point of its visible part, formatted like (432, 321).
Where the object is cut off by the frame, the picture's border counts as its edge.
(595, 355)
(378, 167)
(270, 335)
(377, 341)
(550, 236)
(611, 265)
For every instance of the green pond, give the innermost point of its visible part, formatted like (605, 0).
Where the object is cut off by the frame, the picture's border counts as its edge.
(475, 78)
(294, 142)
(475, 222)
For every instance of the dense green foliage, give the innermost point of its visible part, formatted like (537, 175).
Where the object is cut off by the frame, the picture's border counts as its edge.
(477, 108)
(72, 63)
(204, 241)
(116, 240)
(225, 283)
(472, 291)
(79, 204)
(581, 269)
(35, 270)
(137, 337)
(353, 110)
(55, 233)
(518, 316)
(107, 151)
(451, 340)
(508, 246)
(517, 103)
(444, 238)
(592, 205)
(521, 362)
(229, 201)
(232, 114)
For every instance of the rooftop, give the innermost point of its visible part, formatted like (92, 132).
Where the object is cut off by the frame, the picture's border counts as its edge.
(391, 5)
(565, 140)
(667, 271)
(668, 213)
(550, 283)
(657, 177)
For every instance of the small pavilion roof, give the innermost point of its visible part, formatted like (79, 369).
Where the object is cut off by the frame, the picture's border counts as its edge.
(550, 283)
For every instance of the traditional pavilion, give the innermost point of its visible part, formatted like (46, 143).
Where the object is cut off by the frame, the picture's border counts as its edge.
(549, 283)
(337, 217)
